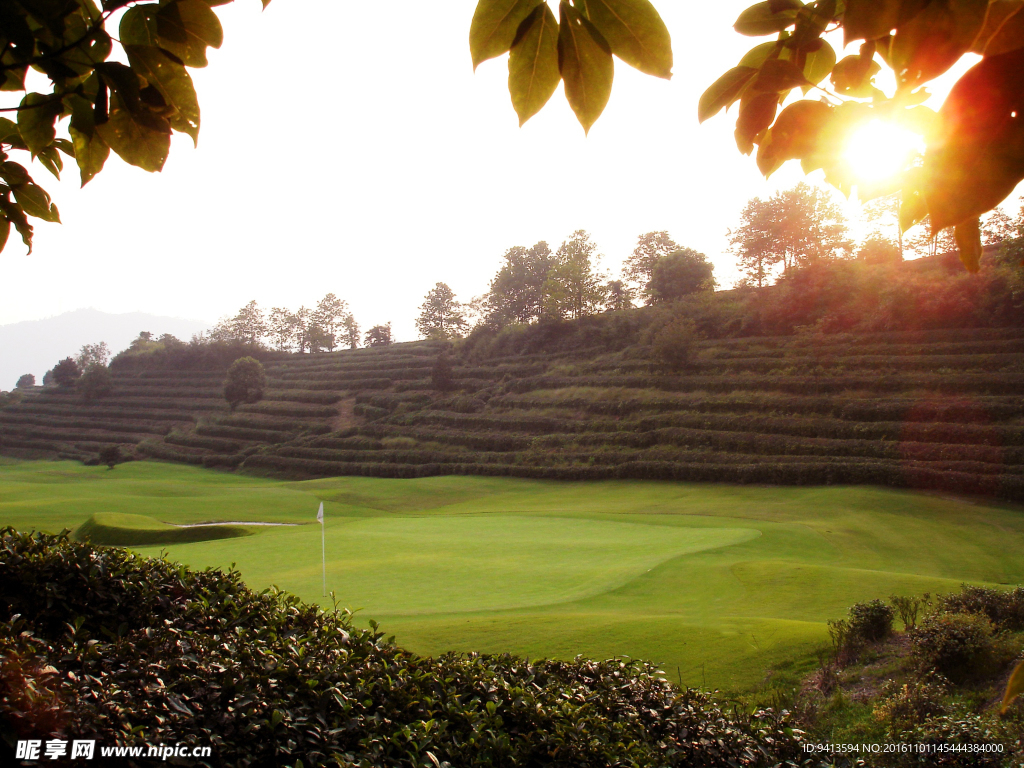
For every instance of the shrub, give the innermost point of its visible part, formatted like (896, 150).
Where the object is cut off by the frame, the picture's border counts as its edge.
(111, 455)
(245, 383)
(871, 621)
(66, 373)
(905, 707)
(943, 732)
(1004, 609)
(95, 382)
(149, 651)
(26, 380)
(956, 645)
(672, 346)
(441, 374)
(908, 607)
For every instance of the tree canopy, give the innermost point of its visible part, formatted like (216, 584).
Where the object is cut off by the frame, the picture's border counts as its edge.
(245, 383)
(974, 155)
(441, 314)
(124, 90)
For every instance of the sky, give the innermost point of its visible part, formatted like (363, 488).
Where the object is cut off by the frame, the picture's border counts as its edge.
(350, 148)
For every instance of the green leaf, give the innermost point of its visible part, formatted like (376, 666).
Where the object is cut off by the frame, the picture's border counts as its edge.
(35, 202)
(14, 173)
(37, 116)
(758, 55)
(976, 158)
(17, 217)
(819, 64)
(8, 130)
(767, 18)
(50, 159)
(186, 28)
(494, 27)
(533, 63)
(91, 153)
(123, 81)
(723, 92)
(90, 150)
(934, 40)
(968, 240)
(140, 138)
(913, 209)
(1014, 686)
(585, 61)
(138, 26)
(869, 19)
(635, 32)
(173, 82)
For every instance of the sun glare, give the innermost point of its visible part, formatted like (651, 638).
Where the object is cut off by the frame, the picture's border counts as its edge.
(880, 150)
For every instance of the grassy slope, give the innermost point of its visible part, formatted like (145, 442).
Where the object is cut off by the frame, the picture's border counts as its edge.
(718, 581)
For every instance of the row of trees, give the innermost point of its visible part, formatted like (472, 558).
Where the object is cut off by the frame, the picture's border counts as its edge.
(803, 226)
(535, 284)
(328, 326)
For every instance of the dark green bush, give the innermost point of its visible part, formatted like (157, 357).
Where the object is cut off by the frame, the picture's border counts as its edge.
(871, 621)
(956, 645)
(146, 651)
(1005, 609)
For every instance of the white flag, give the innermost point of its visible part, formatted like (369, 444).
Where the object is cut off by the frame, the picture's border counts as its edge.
(320, 514)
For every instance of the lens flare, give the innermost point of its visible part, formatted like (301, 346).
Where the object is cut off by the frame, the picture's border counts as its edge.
(880, 150)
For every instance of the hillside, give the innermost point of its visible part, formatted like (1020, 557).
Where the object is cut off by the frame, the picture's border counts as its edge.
(940, 410)
(33, 346)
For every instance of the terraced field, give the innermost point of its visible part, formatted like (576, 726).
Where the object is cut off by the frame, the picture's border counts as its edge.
(718, 583)
(939, 410)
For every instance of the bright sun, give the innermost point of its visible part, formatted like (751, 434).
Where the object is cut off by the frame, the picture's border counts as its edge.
(880, 150)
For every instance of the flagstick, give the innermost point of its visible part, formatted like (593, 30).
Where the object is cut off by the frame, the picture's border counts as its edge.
(323, 546)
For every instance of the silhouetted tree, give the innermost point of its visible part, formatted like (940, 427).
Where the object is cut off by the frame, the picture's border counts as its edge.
(680, 273)
(66, 373)
(26, 380)
(245, 383)
(379, 336)
(441, 315)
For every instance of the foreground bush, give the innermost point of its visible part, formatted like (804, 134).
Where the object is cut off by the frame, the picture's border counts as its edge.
(140, 650)
(957, 645)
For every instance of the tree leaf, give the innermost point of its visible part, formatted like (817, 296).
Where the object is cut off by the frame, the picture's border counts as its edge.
(977, 156)
(853, 75)
(585, 61)
(186, 28)
(767, 18)
(17, 217)
(14, 173)
(635, 32)
(869, 19)
(91, 153)
(138, 26)
(139, 138)
(819, 64)
(5, 231)
(533, 63)
(934, 40)
(50, 160)
(759, 54)
(37, 116)
(1014, 686)
(968, 240)
(723, 92)
(779, 76)
(173, 82)
(757, 111)
(998, 12)
(796, 134)
(1010, 36)
(494, 27)
(35, 202)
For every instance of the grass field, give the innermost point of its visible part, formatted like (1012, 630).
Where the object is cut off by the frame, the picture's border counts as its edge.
(716, 583)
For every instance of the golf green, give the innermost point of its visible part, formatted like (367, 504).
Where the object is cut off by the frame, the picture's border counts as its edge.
(717, 583)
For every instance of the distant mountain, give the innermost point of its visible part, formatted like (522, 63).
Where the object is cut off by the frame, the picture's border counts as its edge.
(33, 346)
